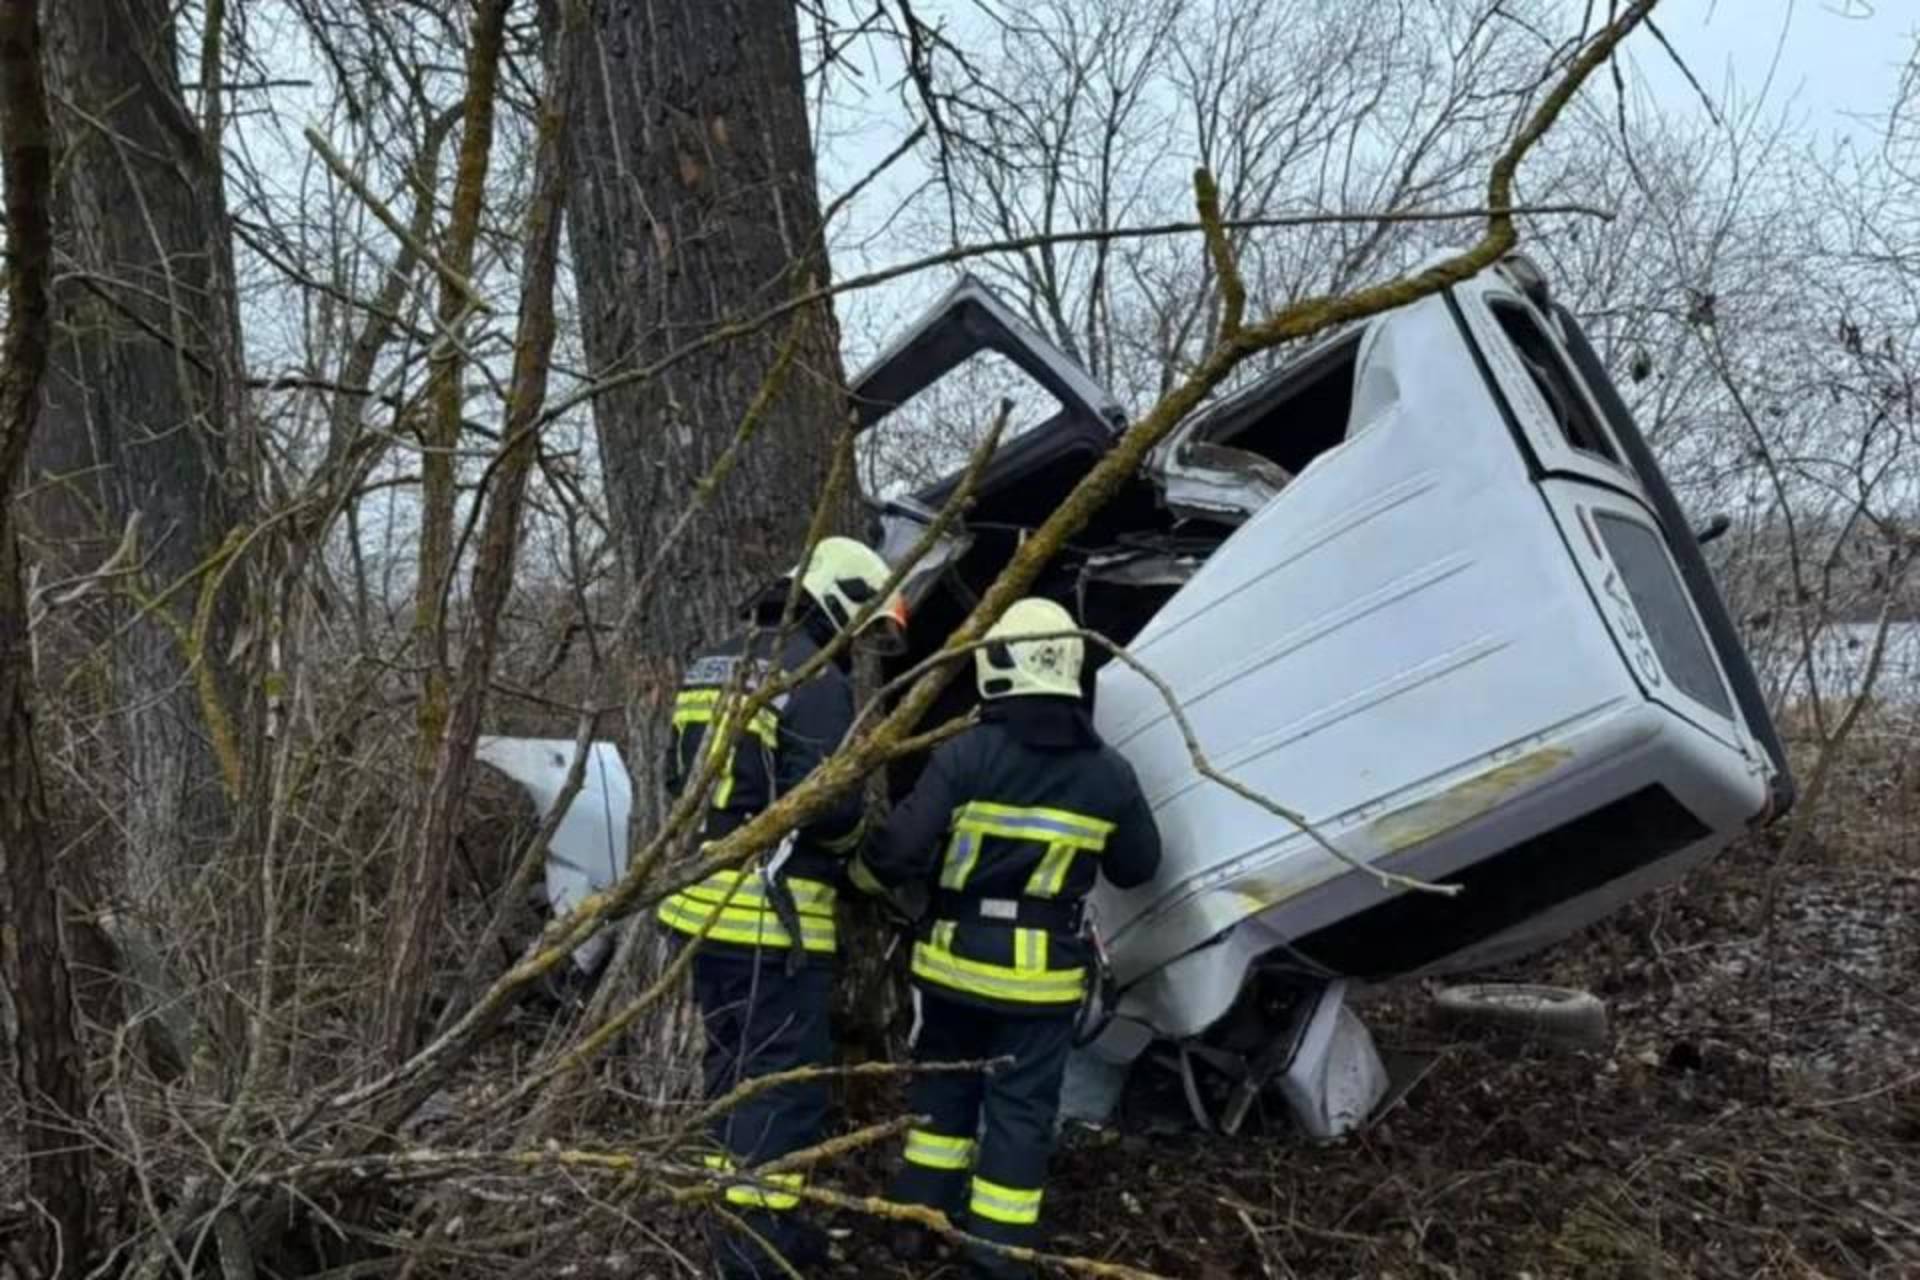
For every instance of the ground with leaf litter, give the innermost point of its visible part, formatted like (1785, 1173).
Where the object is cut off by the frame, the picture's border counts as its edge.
(1757, 1114)
(1682, 1151)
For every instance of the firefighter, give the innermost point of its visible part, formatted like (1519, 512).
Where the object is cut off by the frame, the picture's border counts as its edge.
(1009, 825)
(764, 972)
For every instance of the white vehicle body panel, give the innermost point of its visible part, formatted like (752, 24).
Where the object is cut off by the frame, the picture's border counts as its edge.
(588, 852)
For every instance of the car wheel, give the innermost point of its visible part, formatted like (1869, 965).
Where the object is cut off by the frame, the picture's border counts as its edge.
(1560, 1015)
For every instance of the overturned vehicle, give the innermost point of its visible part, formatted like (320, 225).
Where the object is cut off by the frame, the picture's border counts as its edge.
(1425, 585)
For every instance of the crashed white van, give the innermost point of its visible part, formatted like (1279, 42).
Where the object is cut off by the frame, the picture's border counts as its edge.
(1423, 584)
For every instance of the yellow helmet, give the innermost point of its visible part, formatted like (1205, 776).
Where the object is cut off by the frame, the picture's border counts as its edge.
(842, 575)
(1010, 666)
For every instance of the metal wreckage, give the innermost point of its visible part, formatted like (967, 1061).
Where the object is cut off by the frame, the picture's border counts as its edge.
(1424, 583)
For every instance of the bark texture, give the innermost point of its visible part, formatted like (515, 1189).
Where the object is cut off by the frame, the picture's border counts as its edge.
(147, 416)
(50, 1073)
(693, 202)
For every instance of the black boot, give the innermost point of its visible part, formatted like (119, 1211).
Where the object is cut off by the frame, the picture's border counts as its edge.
(740, 1257)
(985, 1264)
(910, 1242)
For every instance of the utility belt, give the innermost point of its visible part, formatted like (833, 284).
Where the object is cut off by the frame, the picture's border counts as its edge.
(1071, 918)
(1055, 915)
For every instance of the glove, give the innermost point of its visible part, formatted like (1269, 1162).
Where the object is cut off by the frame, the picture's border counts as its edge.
(907, 902)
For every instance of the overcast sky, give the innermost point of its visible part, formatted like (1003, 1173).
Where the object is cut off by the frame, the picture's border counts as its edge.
(1837, 60)
(1832, 64)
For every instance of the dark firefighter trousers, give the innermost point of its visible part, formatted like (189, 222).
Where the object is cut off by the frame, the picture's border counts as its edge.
(989, 1181)
(759, 1019)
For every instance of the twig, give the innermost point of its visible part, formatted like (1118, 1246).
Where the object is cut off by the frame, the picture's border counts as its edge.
(766, 1246)
(1891, 1086)
(887, 162)
(392, 222)
(883, 275)
(1706, 101)
(758, 1085)
(1387, 879)
(1201, 765)
(553, 1156)
(845, 1144)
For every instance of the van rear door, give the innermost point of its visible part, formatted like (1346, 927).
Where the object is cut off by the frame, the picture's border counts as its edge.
(1603, 510)
(970, 319)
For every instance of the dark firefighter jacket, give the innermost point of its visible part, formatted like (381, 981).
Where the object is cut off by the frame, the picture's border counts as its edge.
(1011, 822)
(783, 743)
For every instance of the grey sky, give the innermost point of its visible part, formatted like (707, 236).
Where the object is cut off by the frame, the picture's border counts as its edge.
(1838, 61)
(1832, 64)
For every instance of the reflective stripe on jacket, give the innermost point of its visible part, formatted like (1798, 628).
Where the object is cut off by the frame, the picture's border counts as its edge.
(1027, 805)
(782, 743)
(740, 913)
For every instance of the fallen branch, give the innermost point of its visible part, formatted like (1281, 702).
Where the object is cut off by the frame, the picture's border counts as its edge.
(1016, 244)
(938, 1223)
(753, 1088)
(849, 766)
(1387, 879)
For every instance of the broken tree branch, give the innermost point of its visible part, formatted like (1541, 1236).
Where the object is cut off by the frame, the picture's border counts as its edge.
(848, 766)
(734, 331)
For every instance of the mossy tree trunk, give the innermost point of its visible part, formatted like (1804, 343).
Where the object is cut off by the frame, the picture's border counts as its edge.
(49, 1069)
(147, 417)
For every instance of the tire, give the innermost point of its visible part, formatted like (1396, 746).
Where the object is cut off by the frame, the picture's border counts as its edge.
(1560, 1015)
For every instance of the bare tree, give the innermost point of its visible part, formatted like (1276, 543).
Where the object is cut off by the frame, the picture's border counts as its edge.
(1086, 117)
(50, 1069)
(148, 418)
(693, 203)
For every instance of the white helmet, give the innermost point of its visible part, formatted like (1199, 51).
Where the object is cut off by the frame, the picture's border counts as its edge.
(842, 575)
(1009, 666)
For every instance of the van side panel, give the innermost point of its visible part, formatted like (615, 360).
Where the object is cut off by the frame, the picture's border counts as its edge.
(1397, 643)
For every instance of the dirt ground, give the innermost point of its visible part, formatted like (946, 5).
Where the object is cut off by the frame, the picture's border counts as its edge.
(1682, 1151)
(1758, 1114)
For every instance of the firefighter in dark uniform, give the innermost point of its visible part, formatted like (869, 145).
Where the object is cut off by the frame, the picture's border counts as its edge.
(1009, 826)
(764, 973)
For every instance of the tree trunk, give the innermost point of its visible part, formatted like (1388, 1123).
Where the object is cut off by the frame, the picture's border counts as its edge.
(146, 418)
(51, 1075)
(693, 203)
